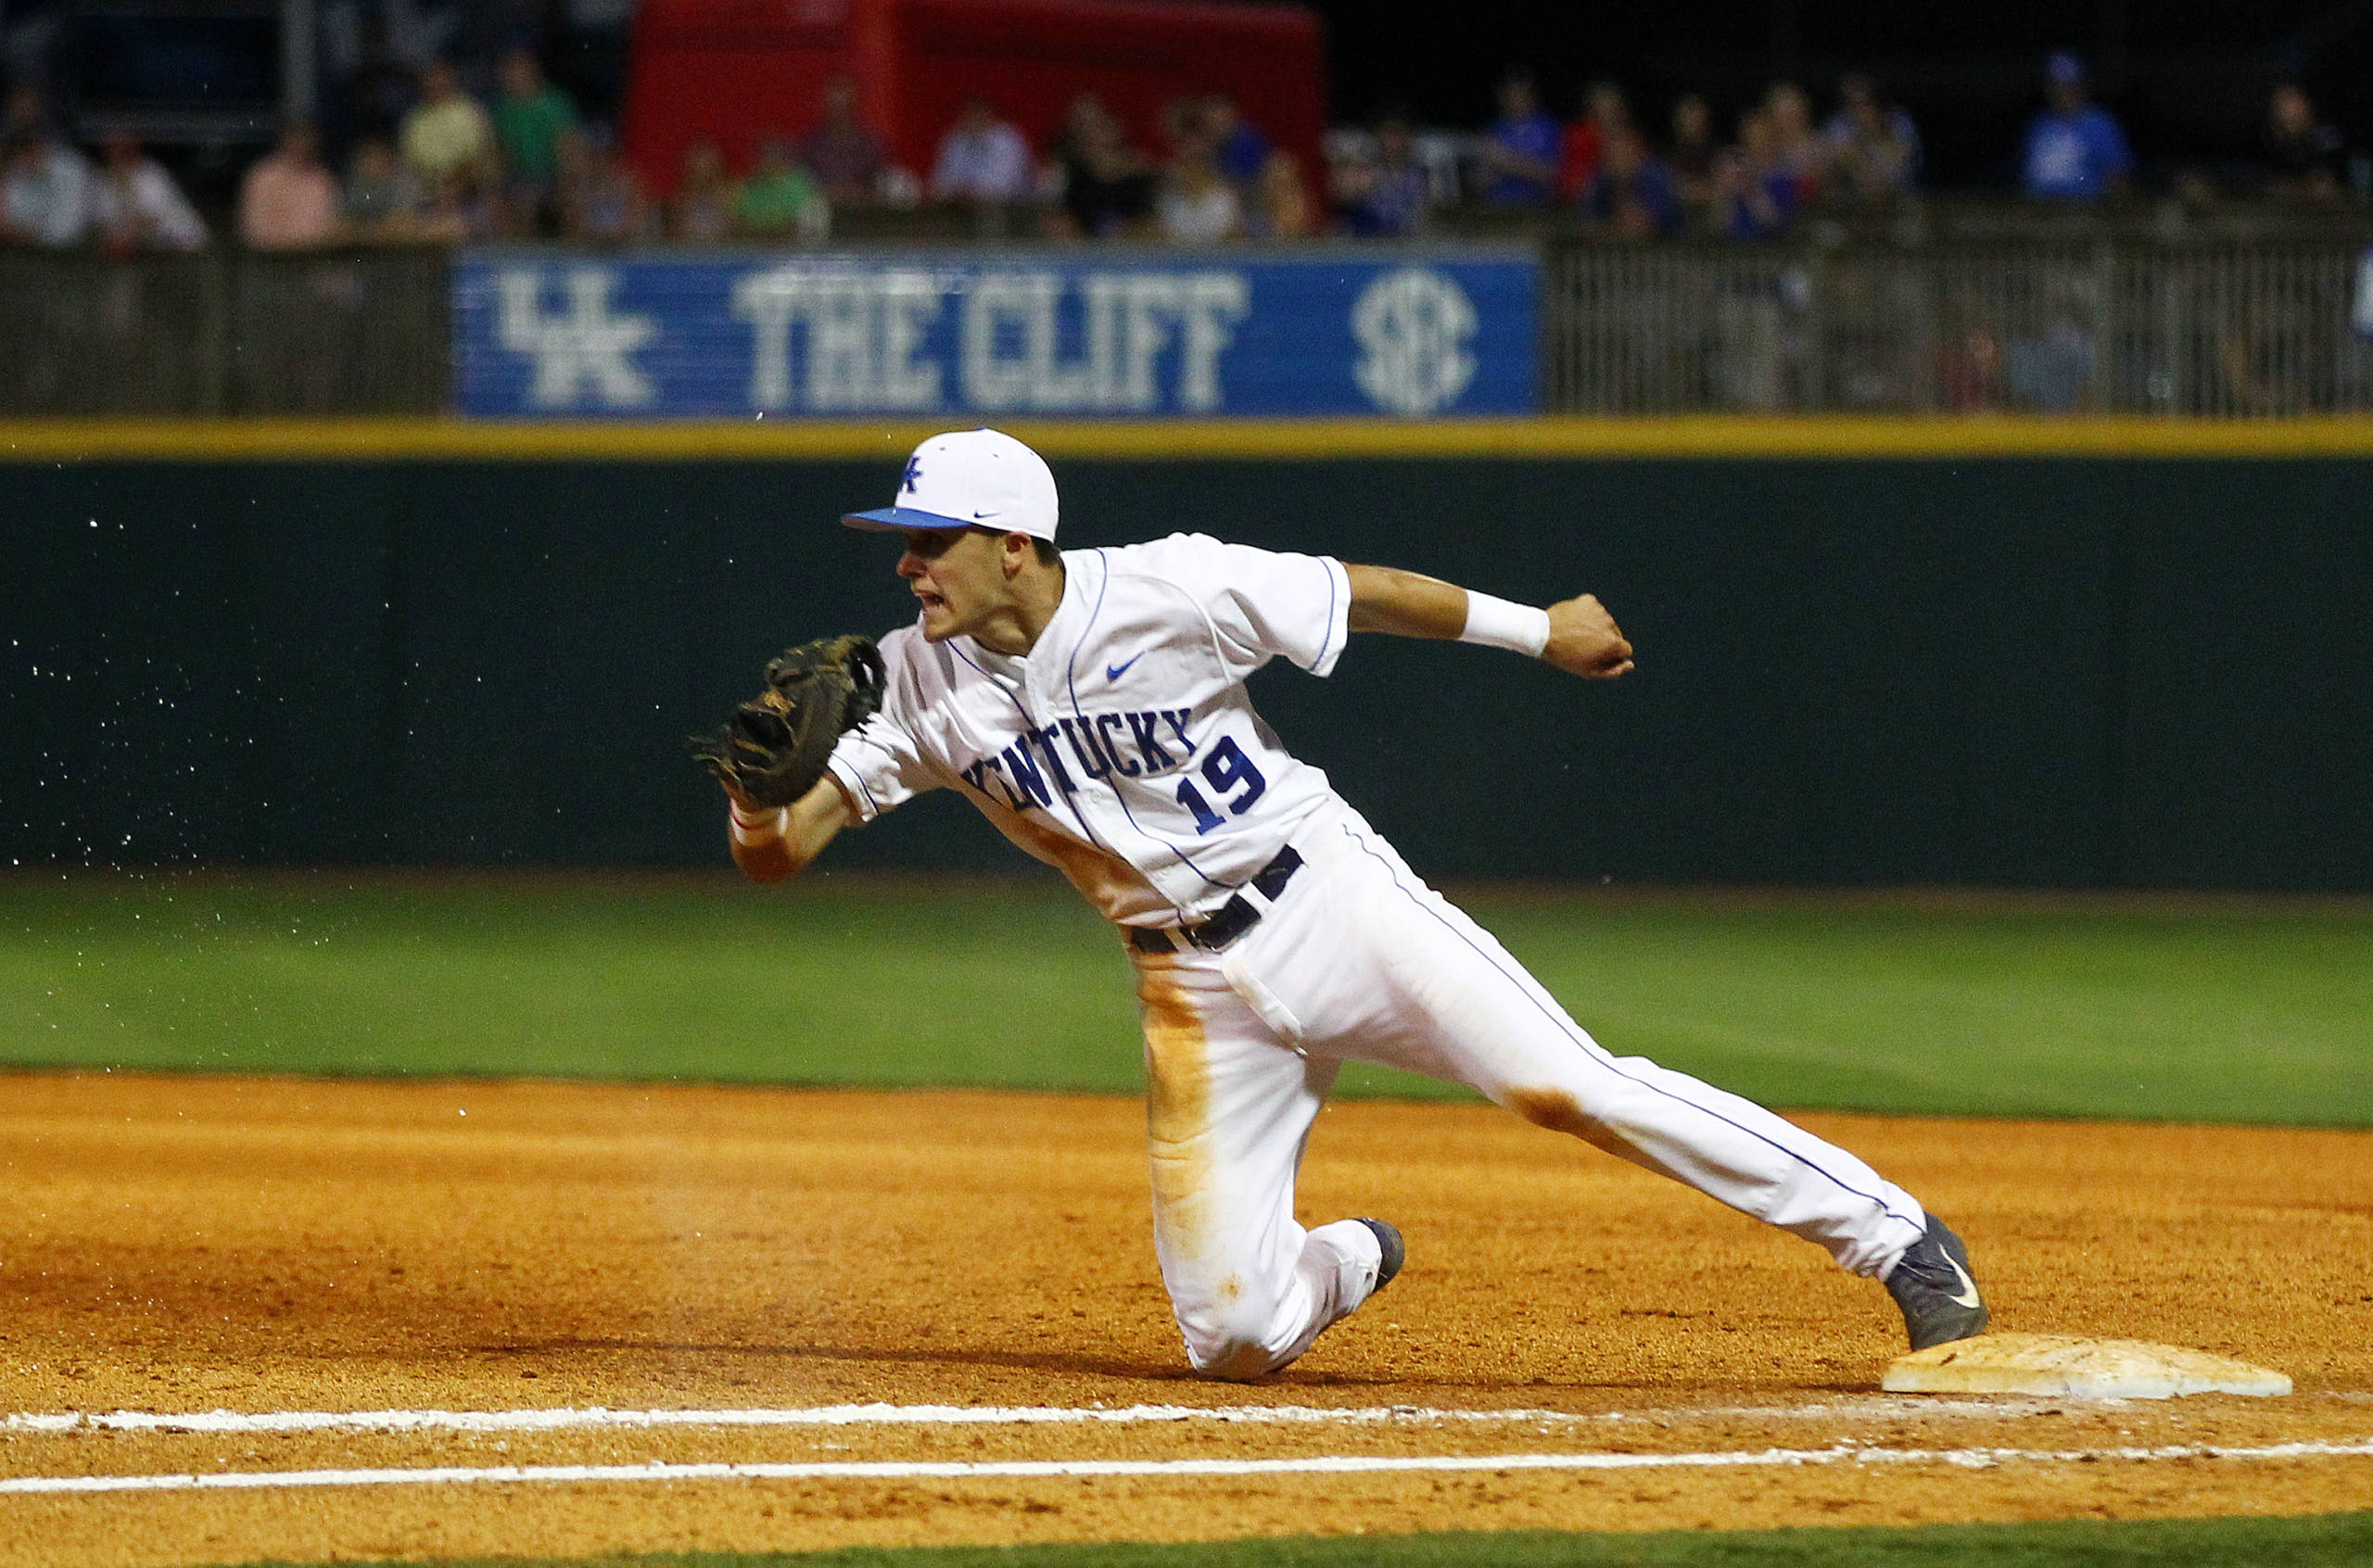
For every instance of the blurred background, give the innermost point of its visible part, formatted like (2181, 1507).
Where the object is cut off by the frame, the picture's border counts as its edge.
(1759, 207)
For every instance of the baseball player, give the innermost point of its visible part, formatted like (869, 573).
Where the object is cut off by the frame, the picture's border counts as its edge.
(1091, 705)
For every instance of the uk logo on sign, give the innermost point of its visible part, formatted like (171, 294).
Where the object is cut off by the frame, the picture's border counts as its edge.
(581, 352)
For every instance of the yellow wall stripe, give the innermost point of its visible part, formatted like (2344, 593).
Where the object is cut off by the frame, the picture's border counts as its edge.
(1687, 436)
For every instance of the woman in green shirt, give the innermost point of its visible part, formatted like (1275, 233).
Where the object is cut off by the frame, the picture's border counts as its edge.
(781, 200)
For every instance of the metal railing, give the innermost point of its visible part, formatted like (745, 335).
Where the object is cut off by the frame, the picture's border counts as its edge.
(2083, 325)
(225, 332)
(2101, 327)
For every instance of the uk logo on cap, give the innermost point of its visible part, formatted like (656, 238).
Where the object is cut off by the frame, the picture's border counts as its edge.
(971, 479)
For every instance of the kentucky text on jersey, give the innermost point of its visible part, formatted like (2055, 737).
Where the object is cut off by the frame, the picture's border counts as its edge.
(1029, 772)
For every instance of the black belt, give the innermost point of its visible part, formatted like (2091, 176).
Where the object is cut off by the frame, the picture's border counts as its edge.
(1235, 918)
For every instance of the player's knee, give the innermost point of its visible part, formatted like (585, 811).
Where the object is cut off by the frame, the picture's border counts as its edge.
(1231, 1361)
(1229, 1340)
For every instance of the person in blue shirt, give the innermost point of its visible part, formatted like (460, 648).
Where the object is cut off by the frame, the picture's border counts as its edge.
(2075, 151)
(1754, 195)
(1632, 196)
(1386, 196)
(1238, 146)
(1519, 154)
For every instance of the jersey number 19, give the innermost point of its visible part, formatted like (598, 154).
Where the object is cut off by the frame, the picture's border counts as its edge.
(1224, 769)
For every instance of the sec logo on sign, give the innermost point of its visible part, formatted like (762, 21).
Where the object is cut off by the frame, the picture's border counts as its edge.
(1414, 325)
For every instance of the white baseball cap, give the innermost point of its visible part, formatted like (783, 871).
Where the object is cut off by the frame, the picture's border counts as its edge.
(971, 479)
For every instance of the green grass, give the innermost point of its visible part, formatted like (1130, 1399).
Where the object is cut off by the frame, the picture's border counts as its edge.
(2340, 1540)
(2217, 1010)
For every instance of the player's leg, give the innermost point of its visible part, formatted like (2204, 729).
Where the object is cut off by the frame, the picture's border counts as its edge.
(1229, 1106)
(1373, 964)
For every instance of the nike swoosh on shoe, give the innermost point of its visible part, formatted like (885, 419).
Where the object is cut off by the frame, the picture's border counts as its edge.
(1967, 1283)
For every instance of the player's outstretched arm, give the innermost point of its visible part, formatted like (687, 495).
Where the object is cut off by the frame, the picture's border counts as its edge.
(771, 845)
(1577, 635)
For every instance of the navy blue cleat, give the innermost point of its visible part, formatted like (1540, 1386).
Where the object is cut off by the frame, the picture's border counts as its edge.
(1932, 1283)
(1396, 1251)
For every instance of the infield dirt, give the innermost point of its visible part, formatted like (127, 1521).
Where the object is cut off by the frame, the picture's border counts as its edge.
(183, 1244)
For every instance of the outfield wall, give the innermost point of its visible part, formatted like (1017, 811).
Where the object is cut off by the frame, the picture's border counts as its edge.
(1937, 665)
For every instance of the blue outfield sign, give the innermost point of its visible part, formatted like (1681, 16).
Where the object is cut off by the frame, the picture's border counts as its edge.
(1132, 333)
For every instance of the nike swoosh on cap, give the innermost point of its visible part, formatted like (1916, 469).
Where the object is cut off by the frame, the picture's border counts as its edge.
(1114, 671)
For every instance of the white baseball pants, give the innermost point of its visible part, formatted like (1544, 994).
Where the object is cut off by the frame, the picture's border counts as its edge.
(1358, 960)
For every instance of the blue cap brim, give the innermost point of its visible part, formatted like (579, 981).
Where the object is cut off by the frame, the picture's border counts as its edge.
(896, 519)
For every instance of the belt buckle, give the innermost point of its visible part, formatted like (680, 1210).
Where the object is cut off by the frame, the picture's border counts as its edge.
(1238, 915)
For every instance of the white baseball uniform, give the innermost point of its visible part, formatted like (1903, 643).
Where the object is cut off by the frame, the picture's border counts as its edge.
(1125, 751)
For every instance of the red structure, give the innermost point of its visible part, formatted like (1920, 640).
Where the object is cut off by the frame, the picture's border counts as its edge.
(740, 69)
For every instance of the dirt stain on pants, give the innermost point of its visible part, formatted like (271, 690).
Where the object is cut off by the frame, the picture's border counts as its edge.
(1178, 1109)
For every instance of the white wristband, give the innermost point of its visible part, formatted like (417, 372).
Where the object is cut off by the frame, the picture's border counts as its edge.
(1497, 622)
(760, 828)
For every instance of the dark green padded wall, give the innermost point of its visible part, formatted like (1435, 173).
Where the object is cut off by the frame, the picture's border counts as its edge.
(2057, 672)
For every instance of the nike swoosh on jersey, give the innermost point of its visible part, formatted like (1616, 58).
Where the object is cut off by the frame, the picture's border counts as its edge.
(1114, 671)
(1967, 1283)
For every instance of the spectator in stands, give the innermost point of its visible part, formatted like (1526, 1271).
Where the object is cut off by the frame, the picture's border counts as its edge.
(381, 198)
(1694, 152)
(1180, 122)
(135, 205)
(2301, 154)
(1874, 147)
(27, 110)
(446, 131)
(1605, 115)
(844, 157)
(466, 209)
(701, 209)
(2052, 369)
(982, 158)
(1969, 359)
(1632, 196)
(2075, 152)
(1754, 193)
(1107, 190)
(1385, 195)
(2264, 370)
(607, 204)
(24, 110)
(1799, 149)
(1280, 205)
(45, 191)
(1197, 204)
(535, 129)
(781, 200)
(287, 201)
(1238, 146)
(1518, 162)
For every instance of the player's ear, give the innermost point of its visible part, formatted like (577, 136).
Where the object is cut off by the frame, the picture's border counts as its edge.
(1016, 551)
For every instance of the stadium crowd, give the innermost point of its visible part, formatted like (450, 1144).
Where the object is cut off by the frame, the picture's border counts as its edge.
(524, 163)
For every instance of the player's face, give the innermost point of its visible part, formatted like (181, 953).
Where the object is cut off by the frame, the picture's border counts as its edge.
(956, 574)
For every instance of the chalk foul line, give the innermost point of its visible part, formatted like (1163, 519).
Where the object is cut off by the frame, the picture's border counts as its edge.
(1043, 1468)
(596, 1417)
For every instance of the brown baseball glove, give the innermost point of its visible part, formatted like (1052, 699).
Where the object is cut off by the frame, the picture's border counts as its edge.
(773, 749)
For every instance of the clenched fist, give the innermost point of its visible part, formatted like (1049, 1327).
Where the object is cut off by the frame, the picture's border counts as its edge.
(1584, 640)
